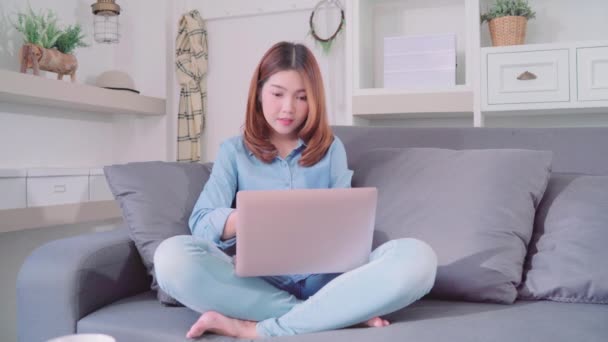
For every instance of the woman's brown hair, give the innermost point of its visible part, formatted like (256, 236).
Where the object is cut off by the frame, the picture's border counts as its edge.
(315, 130)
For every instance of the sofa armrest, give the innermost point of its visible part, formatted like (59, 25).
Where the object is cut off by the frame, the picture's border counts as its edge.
(66, 279)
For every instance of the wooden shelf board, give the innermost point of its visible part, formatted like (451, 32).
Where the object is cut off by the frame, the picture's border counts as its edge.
(392, 103)
(36, 90)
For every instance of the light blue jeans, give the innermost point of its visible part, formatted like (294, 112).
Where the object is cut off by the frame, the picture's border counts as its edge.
(202, 277)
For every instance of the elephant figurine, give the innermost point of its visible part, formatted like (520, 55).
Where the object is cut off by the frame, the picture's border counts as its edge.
(38, 58)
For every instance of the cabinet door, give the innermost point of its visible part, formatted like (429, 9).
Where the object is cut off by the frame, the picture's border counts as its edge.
(528, 77)
(592, 69)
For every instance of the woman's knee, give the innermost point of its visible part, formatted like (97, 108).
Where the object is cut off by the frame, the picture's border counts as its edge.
(174, 258)
(168, 255)
(414, 264)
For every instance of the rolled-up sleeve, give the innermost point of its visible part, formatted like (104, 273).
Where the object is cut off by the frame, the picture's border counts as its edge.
(340, 174)
(212, 208)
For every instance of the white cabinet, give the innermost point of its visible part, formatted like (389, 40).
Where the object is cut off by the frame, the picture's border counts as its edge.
(57, 186)
(40, 187)
(562, 68)
(44, 197)
(525, 77)
(592, 70)
(561, 78)
(12, 189)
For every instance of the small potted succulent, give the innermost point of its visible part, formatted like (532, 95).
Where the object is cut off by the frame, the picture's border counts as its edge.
(507, 21)
(46, 46)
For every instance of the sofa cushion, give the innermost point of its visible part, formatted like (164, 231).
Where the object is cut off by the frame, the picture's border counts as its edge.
(474, 207)
(568, 253)
(142, 319)
(156, 199)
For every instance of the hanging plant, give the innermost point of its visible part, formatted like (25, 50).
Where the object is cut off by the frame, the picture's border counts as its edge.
(326, 43)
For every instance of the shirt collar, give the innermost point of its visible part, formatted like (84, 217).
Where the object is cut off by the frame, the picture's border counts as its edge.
(301, 145)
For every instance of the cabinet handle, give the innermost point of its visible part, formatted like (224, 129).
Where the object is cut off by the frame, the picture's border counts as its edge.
(59, 188)
(526, 76)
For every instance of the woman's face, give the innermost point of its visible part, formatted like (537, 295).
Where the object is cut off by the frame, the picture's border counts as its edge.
(284, 103)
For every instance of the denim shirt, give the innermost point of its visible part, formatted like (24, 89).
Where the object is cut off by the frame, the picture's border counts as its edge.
(236, 168)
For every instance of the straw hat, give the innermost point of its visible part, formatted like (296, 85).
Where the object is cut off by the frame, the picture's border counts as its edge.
(116, 79)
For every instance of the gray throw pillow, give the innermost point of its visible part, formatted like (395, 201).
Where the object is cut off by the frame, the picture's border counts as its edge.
(567, 256)
(156, 199)
(474, 207)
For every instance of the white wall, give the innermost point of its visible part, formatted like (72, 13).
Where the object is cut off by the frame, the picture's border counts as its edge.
(239, 32)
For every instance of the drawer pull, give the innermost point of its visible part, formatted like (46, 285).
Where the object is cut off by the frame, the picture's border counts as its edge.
(59, 188)
(526, 76)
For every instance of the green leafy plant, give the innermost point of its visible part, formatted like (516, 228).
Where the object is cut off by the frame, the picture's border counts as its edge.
(38, 28)
(503, 8)
(41, 28)
(71, 38)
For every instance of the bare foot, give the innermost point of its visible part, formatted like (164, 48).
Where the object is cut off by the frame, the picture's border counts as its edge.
(377, 322)
(217, 323)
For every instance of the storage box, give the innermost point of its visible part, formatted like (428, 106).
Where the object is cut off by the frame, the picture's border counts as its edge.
(57, 186)
(419, 43)
(422, 61)
(420, 79)
(98, 187)
(12, 188)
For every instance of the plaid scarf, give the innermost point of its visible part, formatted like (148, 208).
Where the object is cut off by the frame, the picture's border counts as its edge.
(191, 69)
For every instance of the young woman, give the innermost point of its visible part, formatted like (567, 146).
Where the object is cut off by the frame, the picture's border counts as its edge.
(287, 144)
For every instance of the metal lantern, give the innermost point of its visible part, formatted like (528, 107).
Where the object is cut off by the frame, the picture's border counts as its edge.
(106, 25)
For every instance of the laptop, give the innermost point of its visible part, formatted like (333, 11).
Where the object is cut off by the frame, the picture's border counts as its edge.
(302, 231)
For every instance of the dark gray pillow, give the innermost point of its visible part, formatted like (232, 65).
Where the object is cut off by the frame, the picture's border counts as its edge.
(156, 199)
(567, 256)
(474, 207)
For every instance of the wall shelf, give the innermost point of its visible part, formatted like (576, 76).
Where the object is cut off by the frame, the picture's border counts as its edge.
(374, 20)
(379, 103)
(16, 87)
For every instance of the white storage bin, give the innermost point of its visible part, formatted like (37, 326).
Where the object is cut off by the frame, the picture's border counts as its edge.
(420, 79)
(422, 61)
(445, 59)
(98, 187)
(12, 188)
(57, 186)
(419, 43)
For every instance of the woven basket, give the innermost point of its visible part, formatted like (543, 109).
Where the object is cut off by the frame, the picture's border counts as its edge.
(510, 30)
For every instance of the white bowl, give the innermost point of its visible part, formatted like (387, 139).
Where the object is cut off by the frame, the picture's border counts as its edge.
(84, 338)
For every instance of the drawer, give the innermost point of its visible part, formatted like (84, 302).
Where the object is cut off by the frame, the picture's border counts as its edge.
(592, 70)
(57, 186)
(98, 187)
(12, 189)
(528, 77)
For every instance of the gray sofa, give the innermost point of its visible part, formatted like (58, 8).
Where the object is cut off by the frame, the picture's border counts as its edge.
(97, 282)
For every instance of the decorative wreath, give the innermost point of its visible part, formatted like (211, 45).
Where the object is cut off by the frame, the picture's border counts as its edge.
(326, 42)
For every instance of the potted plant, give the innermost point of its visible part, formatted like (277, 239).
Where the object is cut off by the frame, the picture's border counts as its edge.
(507, 21)
(46, 46)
